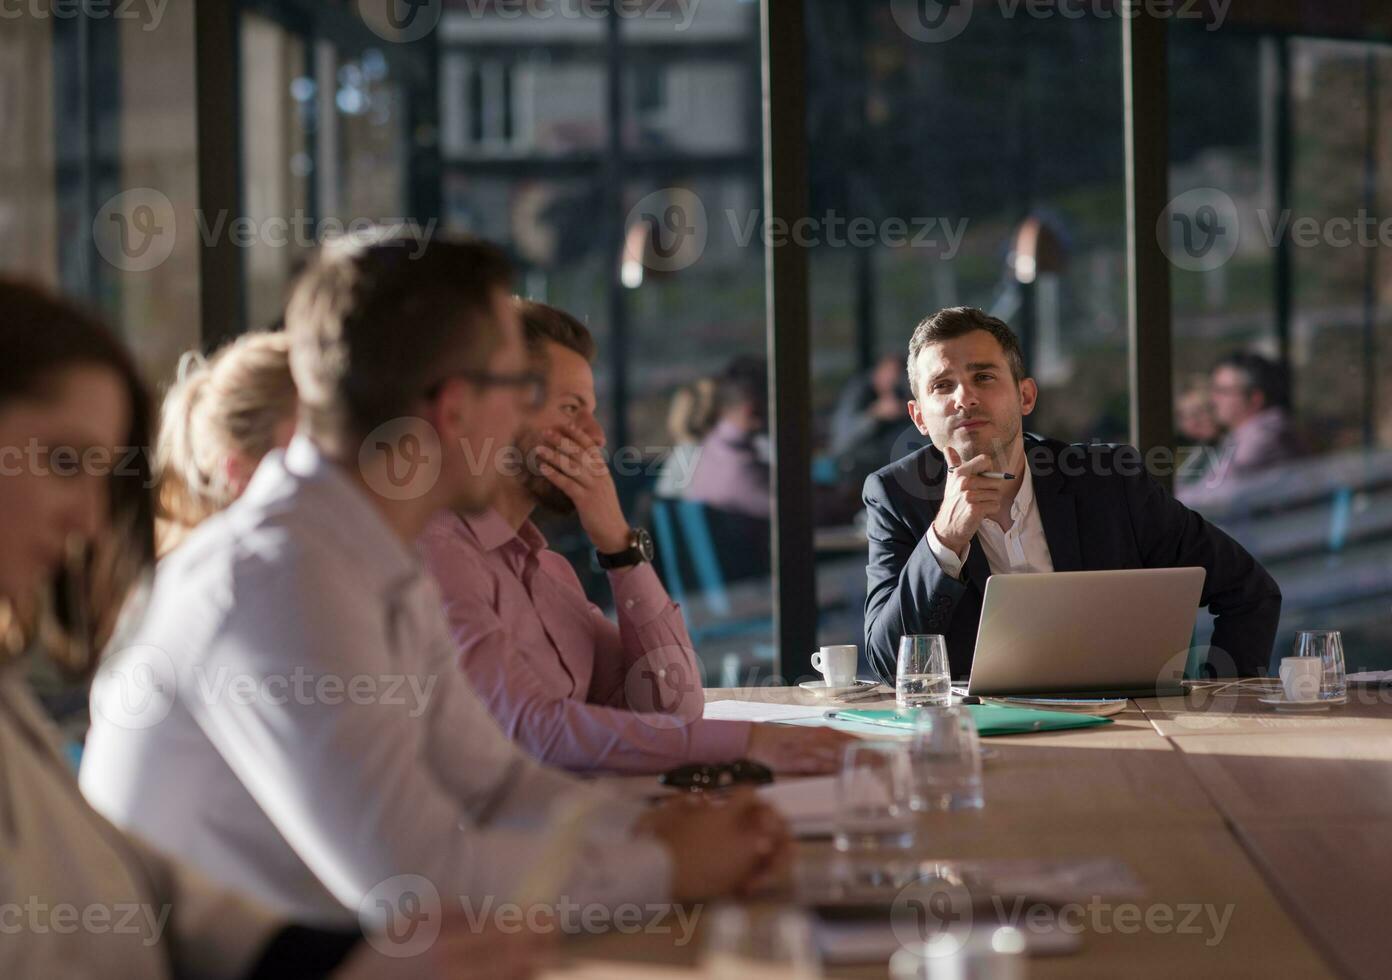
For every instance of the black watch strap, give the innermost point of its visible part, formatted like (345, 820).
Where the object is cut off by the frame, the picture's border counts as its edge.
(640, 549)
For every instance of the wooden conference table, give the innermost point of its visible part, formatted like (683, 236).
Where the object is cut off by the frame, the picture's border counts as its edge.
(1286, 818)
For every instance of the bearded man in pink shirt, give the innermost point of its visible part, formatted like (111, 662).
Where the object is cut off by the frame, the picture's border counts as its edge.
(572, 687)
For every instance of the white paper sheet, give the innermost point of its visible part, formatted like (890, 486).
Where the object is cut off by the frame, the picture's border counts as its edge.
(761, 711)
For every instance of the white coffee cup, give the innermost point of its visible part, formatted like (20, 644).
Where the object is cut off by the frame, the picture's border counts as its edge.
(837, 664)
(1301, 677)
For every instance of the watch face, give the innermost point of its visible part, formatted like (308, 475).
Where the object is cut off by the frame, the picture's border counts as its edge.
(644, 543)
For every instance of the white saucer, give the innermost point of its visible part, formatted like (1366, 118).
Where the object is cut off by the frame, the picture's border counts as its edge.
(1280, 703)
(821, 689)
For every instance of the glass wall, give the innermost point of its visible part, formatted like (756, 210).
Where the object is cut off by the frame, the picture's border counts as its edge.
(99, 163)
(1282, 323)
(618, 158)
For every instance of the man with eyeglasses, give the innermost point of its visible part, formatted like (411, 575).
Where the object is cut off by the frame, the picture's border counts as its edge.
(302, 732)
(571, 686)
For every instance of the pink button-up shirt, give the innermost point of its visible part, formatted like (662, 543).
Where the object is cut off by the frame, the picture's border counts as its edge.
(566, 683)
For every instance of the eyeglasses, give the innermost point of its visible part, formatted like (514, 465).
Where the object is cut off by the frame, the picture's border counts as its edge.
(531, 385)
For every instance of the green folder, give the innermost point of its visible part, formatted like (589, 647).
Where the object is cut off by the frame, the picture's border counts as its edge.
(991, 719)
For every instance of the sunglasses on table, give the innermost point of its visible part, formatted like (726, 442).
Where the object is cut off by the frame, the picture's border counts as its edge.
(698, 777)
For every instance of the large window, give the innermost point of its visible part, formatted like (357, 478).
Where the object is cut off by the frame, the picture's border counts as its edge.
(1282, 325)
(99, 163)
(980, 169)
(956, 154)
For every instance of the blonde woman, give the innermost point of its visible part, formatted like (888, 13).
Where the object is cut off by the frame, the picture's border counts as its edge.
(221, 416)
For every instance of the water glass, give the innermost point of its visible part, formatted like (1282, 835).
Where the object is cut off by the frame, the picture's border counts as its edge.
(744, 942)
(923, 677)
(874, 798)
(945, 755)
(979, 954)
(1328, 645)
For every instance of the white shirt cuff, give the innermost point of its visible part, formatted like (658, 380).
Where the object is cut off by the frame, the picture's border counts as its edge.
(948, 561)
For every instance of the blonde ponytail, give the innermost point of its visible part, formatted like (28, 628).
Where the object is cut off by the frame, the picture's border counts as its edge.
(231, 403)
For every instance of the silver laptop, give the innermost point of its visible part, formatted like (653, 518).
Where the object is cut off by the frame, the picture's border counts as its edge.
(1123, 633)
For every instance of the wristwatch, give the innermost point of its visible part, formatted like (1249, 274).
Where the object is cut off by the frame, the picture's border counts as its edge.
(640, 549)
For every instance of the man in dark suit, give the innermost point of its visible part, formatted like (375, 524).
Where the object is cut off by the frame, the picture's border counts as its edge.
(985, 498)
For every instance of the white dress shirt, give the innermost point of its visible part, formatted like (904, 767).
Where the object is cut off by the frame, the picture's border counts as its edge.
(1021, 549)
(289, 716)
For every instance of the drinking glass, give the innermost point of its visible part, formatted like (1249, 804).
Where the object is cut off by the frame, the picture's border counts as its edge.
(751, 942)
(1328, 645)
(945, 755)
(923, 677)
(874, 797)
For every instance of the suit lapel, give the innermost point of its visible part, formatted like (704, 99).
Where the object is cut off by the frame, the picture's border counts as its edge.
(1056, 511)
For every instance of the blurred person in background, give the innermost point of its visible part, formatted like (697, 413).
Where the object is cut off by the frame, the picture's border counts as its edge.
(1194, 419)
(732, 473)
(690, 418)
(219, 419)
(871, 410)
(77, 524)
(1251, 402)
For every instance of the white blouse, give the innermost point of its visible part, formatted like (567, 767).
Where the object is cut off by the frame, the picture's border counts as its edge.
(80, 898)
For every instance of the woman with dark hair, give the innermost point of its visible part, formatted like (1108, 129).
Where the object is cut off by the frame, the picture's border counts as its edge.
(77, 895)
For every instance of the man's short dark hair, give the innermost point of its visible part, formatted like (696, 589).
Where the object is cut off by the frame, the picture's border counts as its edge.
(374, 322)
(744, 382)
(958, 321)
(542, 324)
(1260, 374)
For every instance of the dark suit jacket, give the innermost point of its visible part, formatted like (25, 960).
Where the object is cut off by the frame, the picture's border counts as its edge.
(1100, 510)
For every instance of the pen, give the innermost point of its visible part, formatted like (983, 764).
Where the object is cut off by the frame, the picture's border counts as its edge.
(994, 475)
